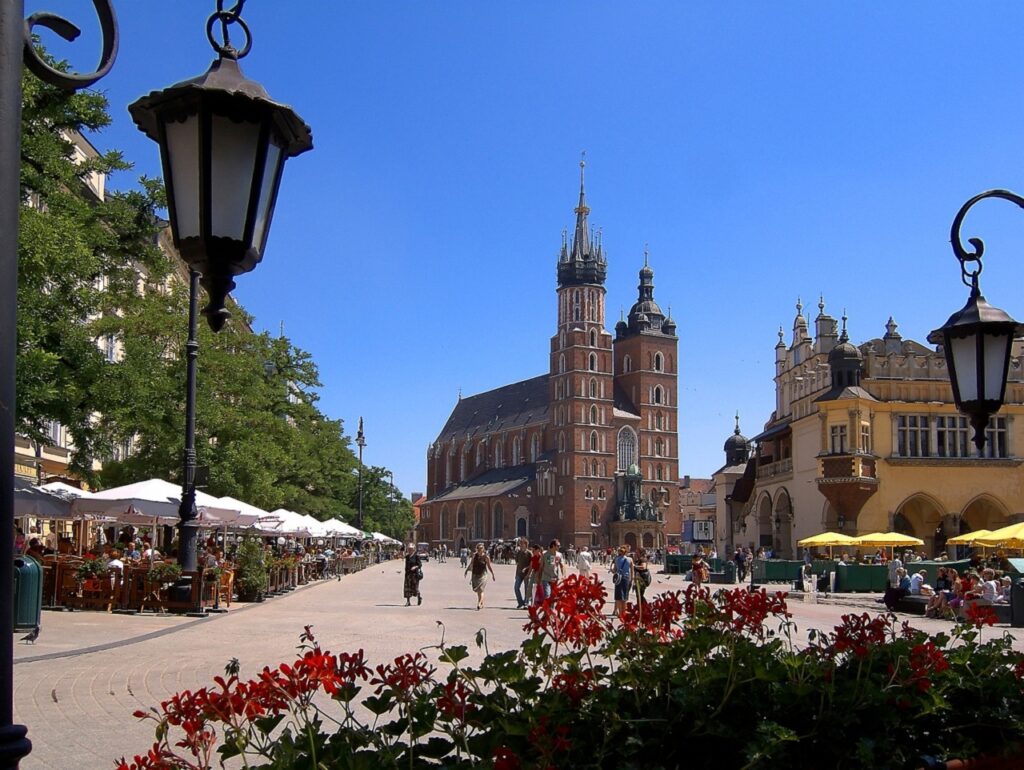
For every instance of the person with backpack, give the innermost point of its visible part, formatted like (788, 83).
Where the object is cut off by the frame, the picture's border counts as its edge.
(622, 578)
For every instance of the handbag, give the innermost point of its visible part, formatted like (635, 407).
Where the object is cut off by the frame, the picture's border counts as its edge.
(418, 574)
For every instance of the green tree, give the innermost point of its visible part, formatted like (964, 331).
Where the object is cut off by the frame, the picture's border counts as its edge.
(79, 260)
(385, 510)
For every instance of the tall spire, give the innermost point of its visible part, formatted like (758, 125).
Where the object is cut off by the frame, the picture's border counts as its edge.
(581, 241)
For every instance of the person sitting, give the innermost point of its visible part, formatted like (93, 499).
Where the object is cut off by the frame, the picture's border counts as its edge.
(115, 560)
(894, 593)
(917, 585)
(35, 549)
(1003, 597)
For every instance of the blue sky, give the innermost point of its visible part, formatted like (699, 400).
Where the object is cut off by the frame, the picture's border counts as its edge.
(764, 150)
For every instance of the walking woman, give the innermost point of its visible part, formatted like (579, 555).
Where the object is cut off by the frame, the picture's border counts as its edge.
(413, 575)
(479, 565)
(643, 575)
(622, 578)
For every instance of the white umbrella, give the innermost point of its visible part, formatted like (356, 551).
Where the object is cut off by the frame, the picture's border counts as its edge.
(147, 500)
(290, 523)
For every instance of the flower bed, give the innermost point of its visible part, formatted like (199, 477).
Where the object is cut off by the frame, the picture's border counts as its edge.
(691, 679)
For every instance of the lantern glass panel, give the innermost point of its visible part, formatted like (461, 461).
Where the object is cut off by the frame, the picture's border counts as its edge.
(232, 161)
(271, 175)
(183, 159)
(995, 360)
(965, 361)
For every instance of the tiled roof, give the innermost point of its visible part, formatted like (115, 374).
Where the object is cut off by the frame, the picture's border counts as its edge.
(492, 483)
(510, 406)
(703, 486)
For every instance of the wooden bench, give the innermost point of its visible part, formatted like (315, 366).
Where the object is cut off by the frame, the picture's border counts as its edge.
(916, 605)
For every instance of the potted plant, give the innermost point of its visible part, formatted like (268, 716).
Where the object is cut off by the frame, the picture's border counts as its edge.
(250, 571)
(164, 573)
(90, 571)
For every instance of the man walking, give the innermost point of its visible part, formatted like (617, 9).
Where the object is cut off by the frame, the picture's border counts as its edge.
(584, 562)
(552, 568)
(522, 557)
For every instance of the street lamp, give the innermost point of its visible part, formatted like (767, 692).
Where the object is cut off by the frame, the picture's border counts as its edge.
(360, 442)
(16, 44)
(977, 339)
(223, 144)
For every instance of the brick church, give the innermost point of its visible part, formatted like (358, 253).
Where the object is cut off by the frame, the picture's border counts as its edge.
(587, 452)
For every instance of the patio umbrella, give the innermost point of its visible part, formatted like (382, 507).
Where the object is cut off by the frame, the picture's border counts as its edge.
(34, 501)
(890, 539)
(826, 540)
(1007, 537)
(969, 538)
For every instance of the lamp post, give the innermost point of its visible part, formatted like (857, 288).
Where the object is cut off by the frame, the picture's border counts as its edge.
(360, 442)
(977, 339)
(15, 46)
(223, 144)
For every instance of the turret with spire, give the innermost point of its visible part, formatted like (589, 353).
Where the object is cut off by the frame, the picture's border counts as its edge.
(645, 316)
(583, 262)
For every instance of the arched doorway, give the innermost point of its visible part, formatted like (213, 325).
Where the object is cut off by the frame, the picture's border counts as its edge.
(782, 523)
(522, 527)
(983, 512)
(648, 540)
(462, 543)
(630, 540)
(921, 516)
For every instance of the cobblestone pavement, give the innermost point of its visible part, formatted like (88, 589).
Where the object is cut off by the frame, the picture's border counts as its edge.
(77, 687)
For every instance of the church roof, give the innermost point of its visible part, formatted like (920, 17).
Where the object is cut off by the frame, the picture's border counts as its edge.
(498, 481)
(510, 406)
(623, 404)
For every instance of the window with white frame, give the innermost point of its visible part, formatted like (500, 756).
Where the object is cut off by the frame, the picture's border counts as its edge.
(561, 364)
(499, 455)
(951, 436)
(658, 362)
(626, 448)
(593, 415)
(627, 364)
(996, 437)
(595, 516)
(837, 439)
(593, 338)
(593, 388)
(479, 453)
(593, 467)
(912, 435)
(593, 362)
(588, 494)
(600, 493)
(517, 451)
(657, 394)
(865, 437)
(593, 441)
(659, 421)
(534, 448)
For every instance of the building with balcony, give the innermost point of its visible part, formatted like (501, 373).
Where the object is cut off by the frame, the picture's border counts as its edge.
(865, 438)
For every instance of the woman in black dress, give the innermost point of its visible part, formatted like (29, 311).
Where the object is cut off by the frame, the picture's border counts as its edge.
(413, 575)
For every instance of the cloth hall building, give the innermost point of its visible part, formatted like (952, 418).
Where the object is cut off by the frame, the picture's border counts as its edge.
(587, 452)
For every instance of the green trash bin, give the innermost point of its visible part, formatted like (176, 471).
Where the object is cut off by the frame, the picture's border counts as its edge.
(729, 568)
(28, 593)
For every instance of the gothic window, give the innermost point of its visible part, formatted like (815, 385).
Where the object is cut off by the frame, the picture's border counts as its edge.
(659, 421)
(561, 364)
(627, 364)
(658, 361)
(499, 522)
(561, 339)
(659, 447)
(593, 415)
(534, 448)
(444, 524)
(561, 415)
(593, 338)
(448, 468)
(498, 455)
(658, 473)
(595, 516)
(593, 388)
(462, 465)
(588, 494)
(478, 521)
(657, 394)
(558, 390)
(593, 362)
(517, 450)
(561, 442)
(626, 448)
(460, 518)
(600, 493)
(593, 441)
(479, 453)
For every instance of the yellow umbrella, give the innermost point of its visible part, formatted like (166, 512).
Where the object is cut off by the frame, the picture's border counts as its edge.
(825, 539)
(891, 539)
(1008, 537)
(969, 538)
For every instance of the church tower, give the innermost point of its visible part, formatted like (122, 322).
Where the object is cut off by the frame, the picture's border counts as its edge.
(581, 386)
(646, 348)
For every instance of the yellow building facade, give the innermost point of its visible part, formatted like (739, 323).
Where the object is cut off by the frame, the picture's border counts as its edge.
(866, 439)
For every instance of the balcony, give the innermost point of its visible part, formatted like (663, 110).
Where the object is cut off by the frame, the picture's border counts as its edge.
(781, 468)
(847, 481)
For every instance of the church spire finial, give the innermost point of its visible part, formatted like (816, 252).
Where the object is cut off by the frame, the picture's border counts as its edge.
(646, 254)
(844, 337)
(737, 429)
(581, 241)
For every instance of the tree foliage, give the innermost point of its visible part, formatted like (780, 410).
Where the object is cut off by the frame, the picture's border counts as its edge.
(92, 269)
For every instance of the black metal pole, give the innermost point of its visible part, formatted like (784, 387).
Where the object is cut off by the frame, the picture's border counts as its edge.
(359, 513)
(187, 510)
(13, 741)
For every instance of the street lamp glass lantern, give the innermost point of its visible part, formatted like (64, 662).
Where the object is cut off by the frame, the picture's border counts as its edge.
(223, 144)
(977, 341)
